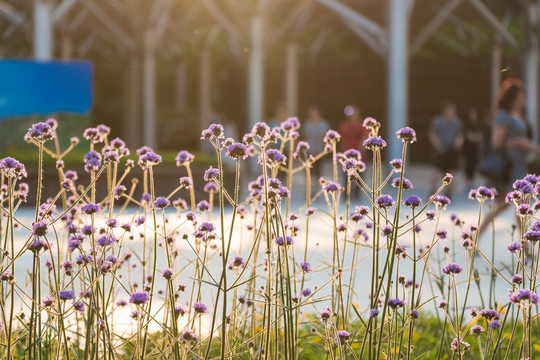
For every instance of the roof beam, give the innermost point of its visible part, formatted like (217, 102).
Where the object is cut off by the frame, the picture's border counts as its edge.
(9, 12)
(434, 24)
(109, 23)
(368, 39)
(62, 9)
(352, 16)
(494, 22)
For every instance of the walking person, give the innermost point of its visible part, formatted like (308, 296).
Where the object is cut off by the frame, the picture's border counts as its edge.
(471, 146)
(353, 133)
(446, 136)
(314, 130)
(509, 136)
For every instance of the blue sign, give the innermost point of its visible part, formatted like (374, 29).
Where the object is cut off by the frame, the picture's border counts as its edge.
(42, 88)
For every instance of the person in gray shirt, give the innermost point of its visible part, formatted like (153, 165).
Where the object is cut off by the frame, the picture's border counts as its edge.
(509, 135)
(314, 130)
(446, 136)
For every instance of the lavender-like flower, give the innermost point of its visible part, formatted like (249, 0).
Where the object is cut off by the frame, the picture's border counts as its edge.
(452, 269)
(184, 158)
(374, 143)
(161, 203)
(523, 295)
(66, 295)
(40, 132)
(306, 267)
(139, 298)
(199, 308)
(237, 151)
(407, 135)
(412, 201)
(384, 201)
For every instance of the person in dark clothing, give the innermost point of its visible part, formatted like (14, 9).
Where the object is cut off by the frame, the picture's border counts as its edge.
(471, 146)
(446, 137)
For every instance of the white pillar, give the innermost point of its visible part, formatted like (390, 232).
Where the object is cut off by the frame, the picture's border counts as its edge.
(496, 59)
(291, 79)
(206, 87)
(132, 102)
(181, 87)
(43, 30)
(256, 73)
(149, 90)
(531, 82)
(397, 74)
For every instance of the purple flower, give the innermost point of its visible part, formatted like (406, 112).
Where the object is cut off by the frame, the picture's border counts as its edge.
(331, 137)
(407, 184)
(92, 161)
(203, 205)
(7, 276)
(210, 174)
(309, 211)
(189, 336)
(139, 298)
(106, 240)
(514, 247)
(374, 143)
(495, 324)
(532, 236)
(523, 294)
(477, 330)
(238, 261)
(384, 201)
(90, 208)
(48, 301)
(214, 131)
(79, 306)
(280, 242)
(325, 314)
(371, 123)
(119, 191)
(459, 345)
(374, 313)
(40, 132)
(490, 314)
(184, 158)
(237, 151)
(396, 164)
(442, 304)
(149, 159)
(40, 229)
(407, 135)
(332, 187)
(412, 201)
(306, 292)
(306, 267)
(140, 220)
(343, 336)
(66, 295)
(395, 303)
(274, 157)
(167, 273)
(441, 234)
(517, 279)
(199, 308)
(415, 314)
(12, 168)
(161, 203)
(441, 201)
(452, 269)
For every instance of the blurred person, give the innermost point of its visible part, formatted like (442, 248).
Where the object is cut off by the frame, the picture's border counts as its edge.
(353, 133)
(313, 131)
(280, 115)
(473, 134)
(446, 136)
(510, 136)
